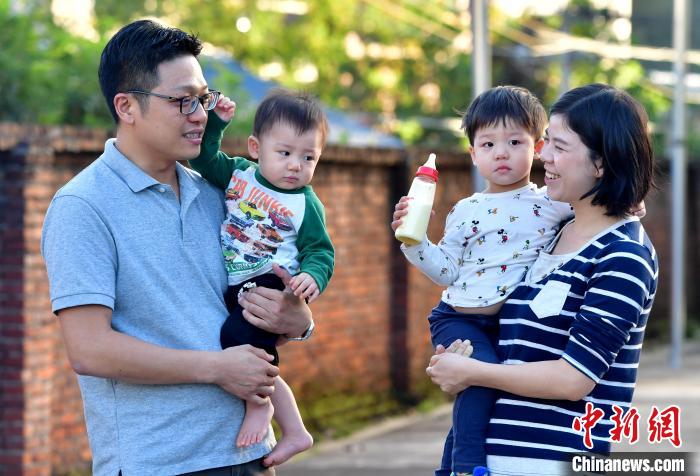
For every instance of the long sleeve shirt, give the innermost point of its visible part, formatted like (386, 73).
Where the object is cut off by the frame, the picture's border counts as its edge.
(490, 241)
(264, 224)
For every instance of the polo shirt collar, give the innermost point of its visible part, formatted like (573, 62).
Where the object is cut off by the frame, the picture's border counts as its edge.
(129, 172)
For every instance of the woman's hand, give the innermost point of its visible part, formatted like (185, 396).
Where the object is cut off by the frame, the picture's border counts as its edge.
(451, 371)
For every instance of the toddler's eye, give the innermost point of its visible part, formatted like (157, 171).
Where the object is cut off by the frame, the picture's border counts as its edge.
(309, 158)
(488, 144)
(514, 142)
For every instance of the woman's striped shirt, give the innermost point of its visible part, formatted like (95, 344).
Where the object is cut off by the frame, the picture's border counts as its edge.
(592, 312)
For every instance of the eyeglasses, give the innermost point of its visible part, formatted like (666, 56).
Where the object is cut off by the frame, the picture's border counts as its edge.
(188, 104)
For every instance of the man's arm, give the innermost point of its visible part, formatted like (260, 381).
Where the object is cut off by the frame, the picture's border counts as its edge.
(95, 349)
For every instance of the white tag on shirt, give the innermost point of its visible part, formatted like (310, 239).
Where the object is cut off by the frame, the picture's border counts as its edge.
(550, 300)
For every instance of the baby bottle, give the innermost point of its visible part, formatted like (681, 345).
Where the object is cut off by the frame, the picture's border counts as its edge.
(415, 223)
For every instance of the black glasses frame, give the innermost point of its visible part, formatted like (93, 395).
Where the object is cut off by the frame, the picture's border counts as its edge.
(212, 96)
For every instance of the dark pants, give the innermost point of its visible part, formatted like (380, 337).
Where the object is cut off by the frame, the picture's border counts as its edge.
(465, 446)
(251, 468)
(237, 331)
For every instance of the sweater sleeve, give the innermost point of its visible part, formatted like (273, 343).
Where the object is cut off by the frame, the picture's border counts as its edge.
(212, 163)
(316, 254)
(441, 262)
(619, 291)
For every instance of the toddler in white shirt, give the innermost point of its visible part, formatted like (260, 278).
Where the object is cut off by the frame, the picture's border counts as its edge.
(491, 238)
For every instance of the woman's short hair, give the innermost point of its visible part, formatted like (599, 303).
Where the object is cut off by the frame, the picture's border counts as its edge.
(614, 127)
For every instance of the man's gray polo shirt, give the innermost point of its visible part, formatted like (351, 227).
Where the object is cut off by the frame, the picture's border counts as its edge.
(116, 237)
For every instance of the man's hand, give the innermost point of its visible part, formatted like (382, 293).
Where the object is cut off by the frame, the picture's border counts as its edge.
(245, 371)
(304, 286)
(279, 312)
(225, 108)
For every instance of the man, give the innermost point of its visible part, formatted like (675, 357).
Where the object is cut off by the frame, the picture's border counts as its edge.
(137, 278)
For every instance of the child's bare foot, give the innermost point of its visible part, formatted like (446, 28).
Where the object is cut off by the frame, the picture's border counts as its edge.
(255, 423)
(290, 445)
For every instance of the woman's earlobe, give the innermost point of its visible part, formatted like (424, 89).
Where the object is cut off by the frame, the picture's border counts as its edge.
(599, 170)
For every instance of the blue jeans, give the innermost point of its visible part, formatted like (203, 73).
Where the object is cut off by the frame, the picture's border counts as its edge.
(465, 446)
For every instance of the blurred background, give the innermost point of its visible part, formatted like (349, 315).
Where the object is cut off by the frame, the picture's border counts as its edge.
(394, 76)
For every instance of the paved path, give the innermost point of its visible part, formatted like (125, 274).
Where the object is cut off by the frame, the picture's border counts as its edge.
(412, 445)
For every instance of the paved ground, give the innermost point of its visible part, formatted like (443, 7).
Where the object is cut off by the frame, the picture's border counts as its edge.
(411, 446)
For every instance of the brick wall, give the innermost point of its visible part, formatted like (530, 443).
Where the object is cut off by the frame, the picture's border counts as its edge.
(371, 336)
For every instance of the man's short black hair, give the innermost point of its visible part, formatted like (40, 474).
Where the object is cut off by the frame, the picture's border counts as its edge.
(300, 110)
(614, 128)
(505, 103)
(131, 58)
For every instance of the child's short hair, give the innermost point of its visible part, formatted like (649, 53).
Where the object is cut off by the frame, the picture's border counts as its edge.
(300, 110)
(614, 128)
(505, 103)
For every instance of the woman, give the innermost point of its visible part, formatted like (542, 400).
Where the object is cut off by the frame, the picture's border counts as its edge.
(571, 332)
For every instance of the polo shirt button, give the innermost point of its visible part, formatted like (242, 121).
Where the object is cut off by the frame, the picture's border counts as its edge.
(161, 189)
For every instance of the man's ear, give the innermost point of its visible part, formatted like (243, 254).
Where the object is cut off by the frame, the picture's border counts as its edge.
(125, 106)
(253, 146)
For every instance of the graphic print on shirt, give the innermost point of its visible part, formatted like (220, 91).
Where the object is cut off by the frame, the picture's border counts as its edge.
(254, 227)
(488, 243)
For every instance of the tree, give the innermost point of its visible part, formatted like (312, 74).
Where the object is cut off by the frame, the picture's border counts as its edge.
(47, 75)
(404, 64)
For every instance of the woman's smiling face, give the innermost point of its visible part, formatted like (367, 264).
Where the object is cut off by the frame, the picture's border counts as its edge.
(569, 171)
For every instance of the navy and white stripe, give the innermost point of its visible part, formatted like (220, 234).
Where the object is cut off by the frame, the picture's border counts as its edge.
(599, 331)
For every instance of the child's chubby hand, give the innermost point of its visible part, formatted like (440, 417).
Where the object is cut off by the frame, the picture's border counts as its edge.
(304, 286)
(225, 108)
(400, 210)
(459, 346)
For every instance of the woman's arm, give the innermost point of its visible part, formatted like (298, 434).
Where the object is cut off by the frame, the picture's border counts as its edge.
(552, 379)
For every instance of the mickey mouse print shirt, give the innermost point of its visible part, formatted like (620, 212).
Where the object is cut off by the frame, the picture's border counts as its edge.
(490, 242)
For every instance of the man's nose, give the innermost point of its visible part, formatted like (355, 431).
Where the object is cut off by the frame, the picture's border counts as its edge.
(198, 115)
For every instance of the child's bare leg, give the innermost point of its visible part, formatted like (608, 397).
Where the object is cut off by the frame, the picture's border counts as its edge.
(256, 423)
(295, 438)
